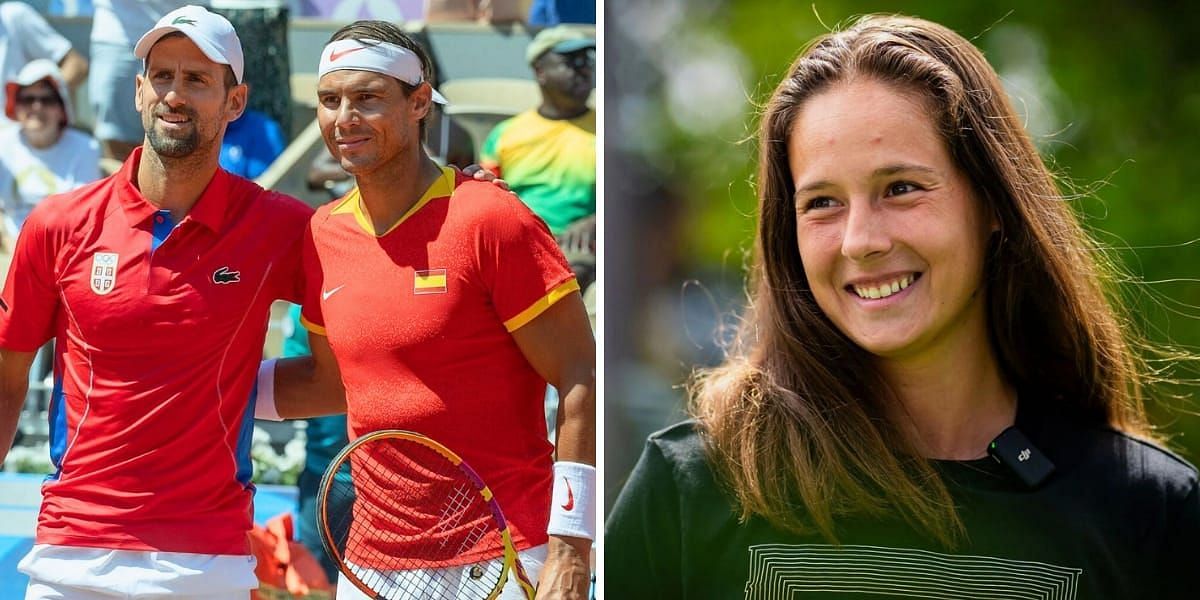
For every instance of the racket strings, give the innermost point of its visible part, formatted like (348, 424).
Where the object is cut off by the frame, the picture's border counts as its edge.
(417, 527)
(454, 510)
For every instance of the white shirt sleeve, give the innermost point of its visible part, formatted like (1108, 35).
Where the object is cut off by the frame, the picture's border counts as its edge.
(86, 161)
(32, 34)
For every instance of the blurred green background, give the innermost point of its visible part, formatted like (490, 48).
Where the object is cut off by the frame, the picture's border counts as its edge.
(1110, 92)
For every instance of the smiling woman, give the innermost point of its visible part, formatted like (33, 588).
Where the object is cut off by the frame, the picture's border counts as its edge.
(880, 204)
(934, 395)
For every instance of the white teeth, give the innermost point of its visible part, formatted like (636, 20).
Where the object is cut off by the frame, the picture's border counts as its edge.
(884, 289)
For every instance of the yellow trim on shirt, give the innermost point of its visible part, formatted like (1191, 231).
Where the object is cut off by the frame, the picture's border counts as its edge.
(312, 327)
(538, 307)
(346, 204)
(441, 187)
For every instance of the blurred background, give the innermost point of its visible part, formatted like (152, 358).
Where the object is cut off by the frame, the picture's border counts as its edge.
(1110, 92)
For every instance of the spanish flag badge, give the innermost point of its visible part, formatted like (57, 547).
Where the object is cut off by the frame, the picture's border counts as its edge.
(432, 281)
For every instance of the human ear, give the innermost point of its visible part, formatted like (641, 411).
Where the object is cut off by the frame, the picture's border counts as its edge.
(422, 100)
(139, 80)
(235, 101)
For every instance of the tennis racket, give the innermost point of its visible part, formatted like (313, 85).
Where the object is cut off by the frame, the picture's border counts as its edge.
(413, 520)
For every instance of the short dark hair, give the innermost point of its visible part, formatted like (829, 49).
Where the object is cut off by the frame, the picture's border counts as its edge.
(385, 31)
(230, 78)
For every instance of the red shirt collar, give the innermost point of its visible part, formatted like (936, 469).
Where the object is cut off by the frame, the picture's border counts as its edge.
(209, 210)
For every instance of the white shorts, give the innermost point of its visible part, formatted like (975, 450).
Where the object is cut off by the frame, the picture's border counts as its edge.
(79, 573)
(448, 580)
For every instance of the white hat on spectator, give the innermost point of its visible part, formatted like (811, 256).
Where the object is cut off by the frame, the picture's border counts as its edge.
(561, 39)
(212, 33)
(36, 70)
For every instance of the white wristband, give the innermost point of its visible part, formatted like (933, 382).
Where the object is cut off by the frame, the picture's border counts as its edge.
(572, 505)
(264, 401)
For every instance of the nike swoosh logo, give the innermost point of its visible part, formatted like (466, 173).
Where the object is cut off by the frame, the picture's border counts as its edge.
(570, 497)
(334, 56)
(326, 295)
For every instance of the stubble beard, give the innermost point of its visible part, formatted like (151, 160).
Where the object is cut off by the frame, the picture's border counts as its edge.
(171, 147)
(168, 146)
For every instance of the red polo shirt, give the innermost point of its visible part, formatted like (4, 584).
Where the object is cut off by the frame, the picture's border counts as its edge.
(159, 332)
(420, 320)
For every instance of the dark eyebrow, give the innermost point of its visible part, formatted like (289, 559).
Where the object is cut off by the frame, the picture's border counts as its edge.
(170, 69)
(370, 87)
(884, 171)
(902, 167)
(364, 88)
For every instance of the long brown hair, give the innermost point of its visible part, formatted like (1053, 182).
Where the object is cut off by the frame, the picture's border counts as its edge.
(795, 421)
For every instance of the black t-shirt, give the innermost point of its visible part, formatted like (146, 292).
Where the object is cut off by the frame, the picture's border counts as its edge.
(1119, 519)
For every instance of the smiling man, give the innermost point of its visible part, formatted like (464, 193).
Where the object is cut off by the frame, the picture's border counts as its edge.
(156, 284)
(473, 309)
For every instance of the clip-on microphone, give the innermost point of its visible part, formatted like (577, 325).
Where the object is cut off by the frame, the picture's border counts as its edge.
(1012, 449)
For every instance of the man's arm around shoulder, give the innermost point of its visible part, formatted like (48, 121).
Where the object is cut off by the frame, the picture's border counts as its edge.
(301, 387)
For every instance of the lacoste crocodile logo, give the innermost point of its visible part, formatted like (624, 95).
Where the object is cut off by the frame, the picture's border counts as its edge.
(183, 21)
(224, 275)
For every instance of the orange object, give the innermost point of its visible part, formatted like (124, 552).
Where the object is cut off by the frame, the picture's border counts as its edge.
(286, 569)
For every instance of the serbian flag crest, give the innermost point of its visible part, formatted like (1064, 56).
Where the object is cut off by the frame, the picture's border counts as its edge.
(104, 272)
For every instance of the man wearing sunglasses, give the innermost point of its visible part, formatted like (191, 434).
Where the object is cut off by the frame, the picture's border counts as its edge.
(548, 154)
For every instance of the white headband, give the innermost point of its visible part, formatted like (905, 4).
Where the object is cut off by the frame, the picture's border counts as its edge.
(374, 56)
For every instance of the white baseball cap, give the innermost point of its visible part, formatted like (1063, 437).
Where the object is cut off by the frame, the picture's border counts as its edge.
(562, 39)
(212, 33)
(36, 70)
